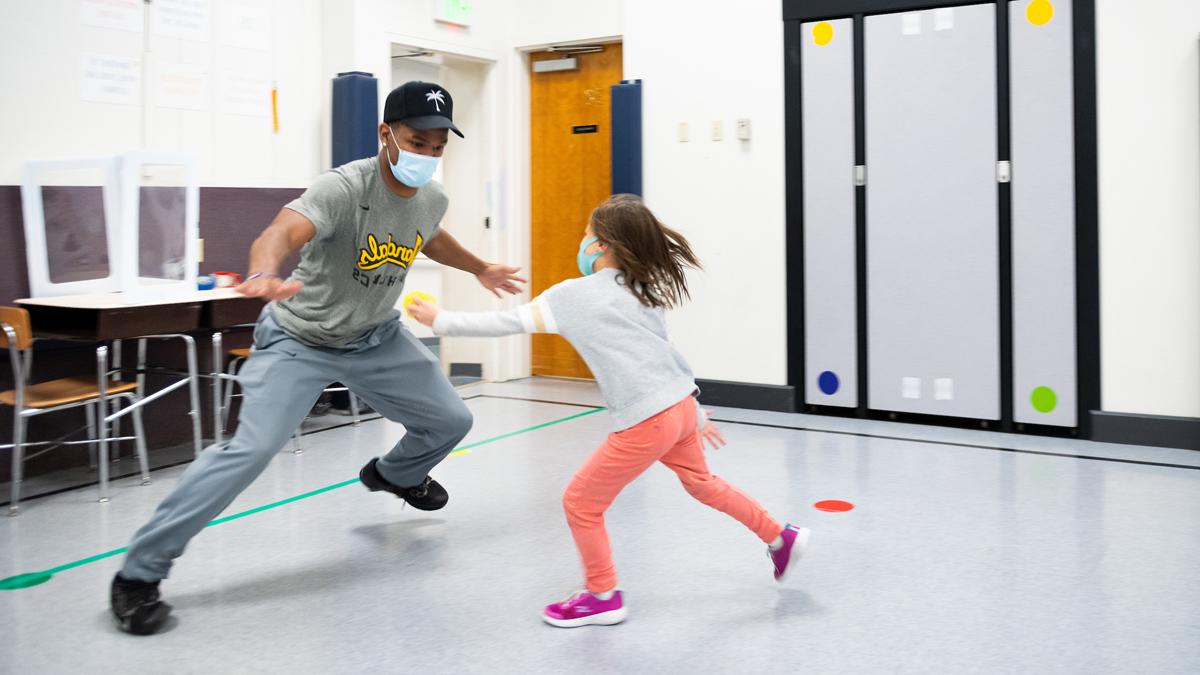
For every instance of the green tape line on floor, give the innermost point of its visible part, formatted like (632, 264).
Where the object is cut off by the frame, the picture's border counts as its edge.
(35, 578)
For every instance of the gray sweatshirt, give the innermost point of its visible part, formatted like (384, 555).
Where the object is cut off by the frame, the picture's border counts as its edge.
(623, 342)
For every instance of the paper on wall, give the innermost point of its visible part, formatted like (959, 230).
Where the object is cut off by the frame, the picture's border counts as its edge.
(181, 85)
(245, 94)
(117, 14)
(910, 24)
(105, 78)
(245, 24)
(184, 19)
(910, 387)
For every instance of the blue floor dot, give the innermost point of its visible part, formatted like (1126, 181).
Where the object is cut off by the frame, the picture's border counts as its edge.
(828, 382)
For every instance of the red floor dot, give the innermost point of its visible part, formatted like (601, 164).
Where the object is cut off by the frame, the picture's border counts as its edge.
(833, 505)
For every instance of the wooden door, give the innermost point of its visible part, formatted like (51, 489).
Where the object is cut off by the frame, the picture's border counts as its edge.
(571, 173)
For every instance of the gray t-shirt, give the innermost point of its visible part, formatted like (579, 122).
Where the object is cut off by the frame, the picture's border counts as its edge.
(353, 270)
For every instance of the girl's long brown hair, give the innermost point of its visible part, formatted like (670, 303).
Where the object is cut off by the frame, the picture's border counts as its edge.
(652, 256)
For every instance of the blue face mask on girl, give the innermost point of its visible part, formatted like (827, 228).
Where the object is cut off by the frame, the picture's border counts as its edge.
(412, 169)
(586, 260)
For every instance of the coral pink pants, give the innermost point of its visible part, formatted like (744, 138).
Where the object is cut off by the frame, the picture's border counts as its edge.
(670, 437)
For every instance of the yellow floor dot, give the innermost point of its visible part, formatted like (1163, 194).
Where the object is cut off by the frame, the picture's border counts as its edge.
(1040, 12)
(823, 33)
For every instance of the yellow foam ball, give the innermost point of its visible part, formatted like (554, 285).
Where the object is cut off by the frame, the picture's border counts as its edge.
(425, 297)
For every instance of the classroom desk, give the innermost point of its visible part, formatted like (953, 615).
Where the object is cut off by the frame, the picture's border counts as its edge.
(105, 317)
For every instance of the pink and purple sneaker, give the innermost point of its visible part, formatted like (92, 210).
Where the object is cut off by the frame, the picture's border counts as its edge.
(795, 540)
(585, 609)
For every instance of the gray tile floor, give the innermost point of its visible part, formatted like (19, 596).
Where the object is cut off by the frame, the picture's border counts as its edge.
(967, 553)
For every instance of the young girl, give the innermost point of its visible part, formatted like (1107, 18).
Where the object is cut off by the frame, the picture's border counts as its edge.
(633, 269)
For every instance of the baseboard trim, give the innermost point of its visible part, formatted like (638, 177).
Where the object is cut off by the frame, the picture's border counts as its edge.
(1157, 430)
(773, 397)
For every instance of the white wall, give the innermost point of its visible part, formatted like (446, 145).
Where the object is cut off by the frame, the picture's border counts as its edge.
(1149, 186)
(359, 34)
(536, 22)
(727, 197)
(1149, 126)
(305, 44)
(487, 173)
(1149, 148)
(42, 115)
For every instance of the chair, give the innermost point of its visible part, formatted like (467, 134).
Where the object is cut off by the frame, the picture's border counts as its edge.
(29, 400)
(236, 358)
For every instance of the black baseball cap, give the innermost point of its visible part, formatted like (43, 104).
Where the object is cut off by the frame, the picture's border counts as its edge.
(421, 105)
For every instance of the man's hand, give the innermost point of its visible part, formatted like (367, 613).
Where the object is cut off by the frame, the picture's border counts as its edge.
(287, 233)
(501, 277)
(710, 433)
(269, 288)
(423, 312)
(445, 249)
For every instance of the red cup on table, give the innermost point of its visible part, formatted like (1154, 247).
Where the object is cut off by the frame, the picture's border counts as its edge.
(227, 279)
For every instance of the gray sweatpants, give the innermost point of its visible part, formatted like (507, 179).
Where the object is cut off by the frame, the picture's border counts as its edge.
(388, 368)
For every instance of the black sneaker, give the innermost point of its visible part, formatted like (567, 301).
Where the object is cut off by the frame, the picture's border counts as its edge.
(136, 606)
(428, 496)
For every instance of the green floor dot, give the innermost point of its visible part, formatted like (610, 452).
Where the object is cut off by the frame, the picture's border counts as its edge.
(1044, 399)
(24, 581)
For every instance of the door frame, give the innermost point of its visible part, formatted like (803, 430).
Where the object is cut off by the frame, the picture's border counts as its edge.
(501, 207)
(518, 360)
(1087, 276)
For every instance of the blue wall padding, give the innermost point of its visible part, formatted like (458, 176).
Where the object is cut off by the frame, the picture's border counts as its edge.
(627, 137)
(355, 117)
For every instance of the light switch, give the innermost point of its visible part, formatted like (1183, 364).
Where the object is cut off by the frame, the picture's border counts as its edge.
(718, 130)
(683, 132)
(743, 129)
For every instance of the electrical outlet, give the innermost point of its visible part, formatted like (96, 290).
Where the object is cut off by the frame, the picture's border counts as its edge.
(718, 130)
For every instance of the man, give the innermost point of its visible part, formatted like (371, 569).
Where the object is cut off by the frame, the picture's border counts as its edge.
(359, 227)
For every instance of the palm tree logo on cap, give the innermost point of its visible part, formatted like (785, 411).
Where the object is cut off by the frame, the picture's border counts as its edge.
(436, 97)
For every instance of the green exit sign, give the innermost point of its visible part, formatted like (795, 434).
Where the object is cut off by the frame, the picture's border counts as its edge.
(456, 12)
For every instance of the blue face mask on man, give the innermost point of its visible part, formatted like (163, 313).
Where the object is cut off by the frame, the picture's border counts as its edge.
(412, 169)
(586, 260)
